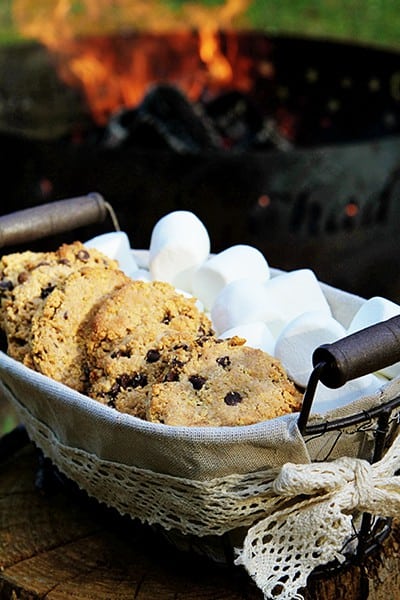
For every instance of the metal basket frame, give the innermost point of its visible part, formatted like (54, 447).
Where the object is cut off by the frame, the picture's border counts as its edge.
(382, 420)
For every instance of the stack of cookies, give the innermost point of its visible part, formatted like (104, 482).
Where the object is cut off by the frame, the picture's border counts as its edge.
(140, 347)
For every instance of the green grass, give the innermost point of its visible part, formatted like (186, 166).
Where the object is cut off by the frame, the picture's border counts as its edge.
(8, 424)
(366, 21)
(7, 30)
(8, 418)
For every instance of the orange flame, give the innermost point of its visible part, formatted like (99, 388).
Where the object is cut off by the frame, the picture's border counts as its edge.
(76, 31)
(218, 65)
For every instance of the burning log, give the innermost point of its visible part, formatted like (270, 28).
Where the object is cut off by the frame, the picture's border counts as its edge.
(165, 118)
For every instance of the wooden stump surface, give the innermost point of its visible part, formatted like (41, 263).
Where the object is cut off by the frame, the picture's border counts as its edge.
(55, 544)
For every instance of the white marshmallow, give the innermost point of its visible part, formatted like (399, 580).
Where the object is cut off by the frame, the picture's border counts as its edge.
(141, 275)
(179, 244)
(141, 257)
(327, 399)
(257, 335)
(115, 245)
(298, 340)
(374, 311)
(233, 263)
(291, 294)
(240, 302)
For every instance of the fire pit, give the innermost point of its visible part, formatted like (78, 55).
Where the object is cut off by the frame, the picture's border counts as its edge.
(297, 152)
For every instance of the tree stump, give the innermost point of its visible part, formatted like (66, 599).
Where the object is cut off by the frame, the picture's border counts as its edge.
(57, 544)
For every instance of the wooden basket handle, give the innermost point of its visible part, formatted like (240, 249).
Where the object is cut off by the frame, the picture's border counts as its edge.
(53, 218)
(360, 353)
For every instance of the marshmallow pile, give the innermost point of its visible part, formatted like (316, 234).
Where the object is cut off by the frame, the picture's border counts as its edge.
(285, 314)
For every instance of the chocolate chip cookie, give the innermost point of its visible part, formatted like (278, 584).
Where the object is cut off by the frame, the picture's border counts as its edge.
(141, 306)
(141, 332)
(225, 383)
(122, 377)
(27, 278)
(60, 325)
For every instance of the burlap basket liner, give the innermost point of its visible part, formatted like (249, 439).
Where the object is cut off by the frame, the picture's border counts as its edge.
(199, 453)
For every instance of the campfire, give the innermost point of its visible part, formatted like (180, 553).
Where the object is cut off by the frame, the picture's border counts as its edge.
(285, 143)
(115, 71)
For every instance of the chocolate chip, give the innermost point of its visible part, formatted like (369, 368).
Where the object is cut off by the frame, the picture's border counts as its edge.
(115, 389)
(125, 380)
(167, 318)
(203, 332)
(232, 398)
(83, 255)
(6, 285)
(120, 353)
(46, 291)
(177, 363)
(197, 381)
(22, 277)
(139, 380)
(224, 361)
(181, 347)
(64, 261)
(200, 341)
(172, 375)
(153, 356)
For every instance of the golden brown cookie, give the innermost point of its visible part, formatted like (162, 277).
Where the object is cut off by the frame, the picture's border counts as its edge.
(138, 333)
(141, 306)
(14, 269)
(60, 325)
(224, 384)
(123, 375)
(26, 280)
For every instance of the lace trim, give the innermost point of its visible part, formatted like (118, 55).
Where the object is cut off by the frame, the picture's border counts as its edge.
(298, 517)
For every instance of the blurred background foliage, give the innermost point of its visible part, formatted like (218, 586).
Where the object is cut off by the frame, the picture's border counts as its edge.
(365, 21)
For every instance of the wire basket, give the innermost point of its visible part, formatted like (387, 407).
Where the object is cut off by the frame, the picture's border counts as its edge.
(220, 484)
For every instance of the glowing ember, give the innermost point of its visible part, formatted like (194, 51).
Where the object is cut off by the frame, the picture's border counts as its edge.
(93, 52)
(351, 209)
(264, 201)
